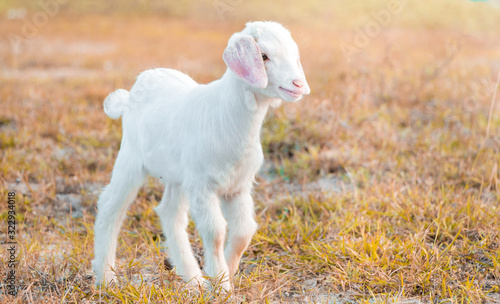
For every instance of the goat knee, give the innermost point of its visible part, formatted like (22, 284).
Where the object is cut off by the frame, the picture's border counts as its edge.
(238, 241)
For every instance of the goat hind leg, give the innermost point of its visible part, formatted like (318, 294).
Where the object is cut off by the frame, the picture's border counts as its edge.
(172, 211)
(112, 206)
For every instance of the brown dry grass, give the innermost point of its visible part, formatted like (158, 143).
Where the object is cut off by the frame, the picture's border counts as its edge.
(381, 186)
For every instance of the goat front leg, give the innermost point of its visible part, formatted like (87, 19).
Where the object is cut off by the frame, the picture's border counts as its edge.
(239, 213)
(210, 223)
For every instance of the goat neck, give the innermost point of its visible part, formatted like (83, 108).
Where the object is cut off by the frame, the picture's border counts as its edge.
(242, 109)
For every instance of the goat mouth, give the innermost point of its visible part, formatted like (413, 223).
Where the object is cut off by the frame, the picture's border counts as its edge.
(292, 93)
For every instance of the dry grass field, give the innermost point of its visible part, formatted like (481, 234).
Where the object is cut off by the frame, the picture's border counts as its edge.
(382, 186)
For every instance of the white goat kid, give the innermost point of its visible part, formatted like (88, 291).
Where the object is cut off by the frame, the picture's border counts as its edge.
(203, 143)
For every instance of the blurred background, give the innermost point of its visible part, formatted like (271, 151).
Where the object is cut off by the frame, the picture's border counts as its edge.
(399, 139)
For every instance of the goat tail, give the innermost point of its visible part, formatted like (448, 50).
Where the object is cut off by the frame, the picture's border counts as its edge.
(115, 103)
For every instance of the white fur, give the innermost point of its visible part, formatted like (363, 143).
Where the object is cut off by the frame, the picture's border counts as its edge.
(203, 143)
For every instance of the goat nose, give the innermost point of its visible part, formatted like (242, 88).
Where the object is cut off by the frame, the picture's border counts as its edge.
(298, 83)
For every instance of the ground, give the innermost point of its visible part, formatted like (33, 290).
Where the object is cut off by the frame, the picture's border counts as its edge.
(382, 186)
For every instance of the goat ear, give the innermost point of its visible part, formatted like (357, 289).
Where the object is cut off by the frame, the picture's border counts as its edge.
(243, 57)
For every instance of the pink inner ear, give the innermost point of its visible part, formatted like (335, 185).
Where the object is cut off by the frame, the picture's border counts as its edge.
(243, 57)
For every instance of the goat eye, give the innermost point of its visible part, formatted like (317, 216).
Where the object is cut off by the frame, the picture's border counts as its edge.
(264, 57)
